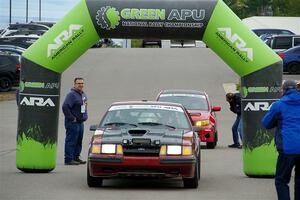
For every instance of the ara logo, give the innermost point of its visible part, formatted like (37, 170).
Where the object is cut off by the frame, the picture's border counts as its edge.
(63, 37)
(257, 106)
(236, 40)
(37, 101)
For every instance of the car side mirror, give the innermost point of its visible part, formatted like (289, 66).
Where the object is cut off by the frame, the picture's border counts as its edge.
(197, 128)
(216, 108)
(93, 127)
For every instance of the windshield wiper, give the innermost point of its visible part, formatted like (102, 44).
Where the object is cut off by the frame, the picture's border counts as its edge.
(119, 124)
(156, 124)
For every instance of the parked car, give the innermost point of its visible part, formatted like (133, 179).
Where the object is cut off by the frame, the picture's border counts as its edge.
(291, 60)
(9, 70)
(24, 29)
(280, 43)
(182, 43)
(151, 42)
(272, 31)
(144, 139)
(12, 49)
(20, 41)
(200, 110)
(49, 24)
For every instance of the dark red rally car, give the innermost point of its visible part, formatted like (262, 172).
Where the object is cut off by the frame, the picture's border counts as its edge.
(200, 110)
(145, 139)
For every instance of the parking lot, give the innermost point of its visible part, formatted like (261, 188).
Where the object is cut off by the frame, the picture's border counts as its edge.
(135, 74)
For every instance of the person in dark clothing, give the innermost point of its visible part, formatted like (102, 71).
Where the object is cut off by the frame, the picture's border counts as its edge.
(284, 114)
(75, 111)
(234, 100)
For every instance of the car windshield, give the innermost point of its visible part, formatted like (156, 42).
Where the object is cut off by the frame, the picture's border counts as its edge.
(189, 101)
(156, 116)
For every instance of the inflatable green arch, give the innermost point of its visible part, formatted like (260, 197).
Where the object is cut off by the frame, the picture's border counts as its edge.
(212, 21)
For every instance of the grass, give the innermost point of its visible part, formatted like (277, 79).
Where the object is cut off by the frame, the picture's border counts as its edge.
(7, 96)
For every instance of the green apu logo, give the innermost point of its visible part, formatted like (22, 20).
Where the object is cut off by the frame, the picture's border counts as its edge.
(38, 85)
(108, 17)
(247, 90)
(22, 86)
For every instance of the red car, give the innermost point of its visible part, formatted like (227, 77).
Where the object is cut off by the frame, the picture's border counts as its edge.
(200, 110)
(145, 139)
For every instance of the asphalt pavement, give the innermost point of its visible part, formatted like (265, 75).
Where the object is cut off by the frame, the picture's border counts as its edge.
(135, 74)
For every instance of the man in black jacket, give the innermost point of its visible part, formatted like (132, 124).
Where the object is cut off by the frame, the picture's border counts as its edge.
(75, 111)
(234, 100)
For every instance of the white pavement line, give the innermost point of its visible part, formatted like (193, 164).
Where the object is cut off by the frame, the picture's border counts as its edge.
(230, 87)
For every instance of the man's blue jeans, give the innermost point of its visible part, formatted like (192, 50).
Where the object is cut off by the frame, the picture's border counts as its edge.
(285, 165)
(235, 133)
(73, 141)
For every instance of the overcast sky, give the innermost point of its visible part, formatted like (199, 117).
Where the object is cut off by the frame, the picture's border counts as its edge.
(51, 9)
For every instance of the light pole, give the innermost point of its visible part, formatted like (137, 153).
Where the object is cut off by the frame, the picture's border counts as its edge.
(9, 11)
(26, 11)
(40, 10)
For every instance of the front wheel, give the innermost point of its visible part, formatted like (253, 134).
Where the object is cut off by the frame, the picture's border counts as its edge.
(93, 181)
(5, 84)
(193, 182)
(294, 67)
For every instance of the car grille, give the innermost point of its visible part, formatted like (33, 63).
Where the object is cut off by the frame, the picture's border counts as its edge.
(141, 151)
(137, 132)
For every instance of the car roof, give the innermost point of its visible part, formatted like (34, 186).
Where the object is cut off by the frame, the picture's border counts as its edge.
(8, 54)
(4, 46)
(144, 102)
(285, 36)
(45, 23)
(183, 92)
(266, 29)
(291, 49)
(24, 25)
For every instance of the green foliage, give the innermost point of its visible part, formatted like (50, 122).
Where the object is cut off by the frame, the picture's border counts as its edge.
(286, 8)
(248, 8)
(136, 43)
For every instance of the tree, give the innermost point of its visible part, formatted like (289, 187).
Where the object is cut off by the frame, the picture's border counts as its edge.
(286, 8)
(247, 8)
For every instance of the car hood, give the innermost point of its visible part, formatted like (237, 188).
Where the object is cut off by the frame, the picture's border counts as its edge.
(198, 114)
(165, 136)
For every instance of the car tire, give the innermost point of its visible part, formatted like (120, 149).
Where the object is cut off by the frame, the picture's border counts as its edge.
(199, 164)
(193, 182)
(212, 145)
(5, 84)
(93, 181)
(293, 67)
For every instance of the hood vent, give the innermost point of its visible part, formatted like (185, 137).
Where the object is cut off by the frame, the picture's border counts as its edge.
(137, 132)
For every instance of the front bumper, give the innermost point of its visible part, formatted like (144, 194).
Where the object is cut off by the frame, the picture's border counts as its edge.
(132, 166)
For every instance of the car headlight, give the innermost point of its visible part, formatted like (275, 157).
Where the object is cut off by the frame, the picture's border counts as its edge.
(174, 150)
(108, 148)
(187, 150)
(96, 148)
(202, 122)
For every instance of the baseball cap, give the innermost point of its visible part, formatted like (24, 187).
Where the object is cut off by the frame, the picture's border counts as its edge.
(288, 84)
